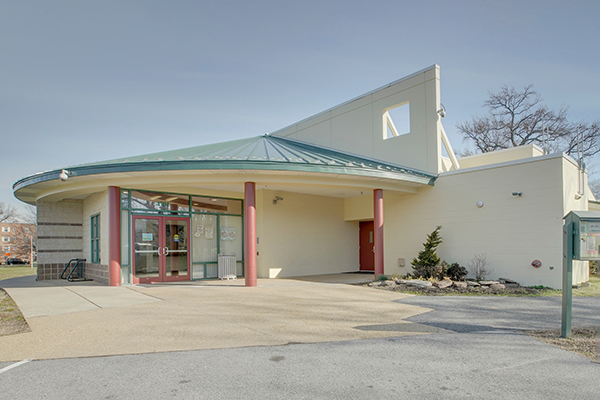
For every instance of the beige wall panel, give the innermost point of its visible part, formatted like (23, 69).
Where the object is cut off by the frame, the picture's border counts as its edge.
(359, 208)
(500, 156)
(354, 105)
(319, 134)
(346, 127)
(95, 204)
(575, 197)
(353, 132)
(304, 235)
(512, 231)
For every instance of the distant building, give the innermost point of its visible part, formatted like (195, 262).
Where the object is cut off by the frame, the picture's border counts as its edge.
(15, 240)
(354, 188)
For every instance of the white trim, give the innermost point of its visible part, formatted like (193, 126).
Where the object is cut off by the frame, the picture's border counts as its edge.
(510, 163)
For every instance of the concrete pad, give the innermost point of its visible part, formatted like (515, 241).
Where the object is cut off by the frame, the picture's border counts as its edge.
(36, 302)
(54, 297)
(193, 317)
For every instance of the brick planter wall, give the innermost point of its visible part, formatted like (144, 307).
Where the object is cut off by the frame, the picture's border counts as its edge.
(97, 272)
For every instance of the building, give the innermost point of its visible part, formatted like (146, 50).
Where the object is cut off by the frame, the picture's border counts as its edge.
(354, 188)
(15, 239)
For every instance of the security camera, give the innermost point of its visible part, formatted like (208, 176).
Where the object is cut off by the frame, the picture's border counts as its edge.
(64, 175)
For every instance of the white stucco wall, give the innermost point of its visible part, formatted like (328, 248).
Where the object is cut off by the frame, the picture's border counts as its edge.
(511, 231)
(96, 203)
(304, 235)
(358, 125)
(500, 156)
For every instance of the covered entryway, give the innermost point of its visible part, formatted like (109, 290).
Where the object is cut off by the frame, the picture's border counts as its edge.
(160, 249)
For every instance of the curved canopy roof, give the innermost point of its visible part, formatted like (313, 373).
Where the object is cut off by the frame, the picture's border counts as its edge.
(261, 153)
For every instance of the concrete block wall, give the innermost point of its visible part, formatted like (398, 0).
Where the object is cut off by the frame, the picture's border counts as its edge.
(60, 236)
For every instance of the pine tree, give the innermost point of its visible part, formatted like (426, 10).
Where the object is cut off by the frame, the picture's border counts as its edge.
(427, 259)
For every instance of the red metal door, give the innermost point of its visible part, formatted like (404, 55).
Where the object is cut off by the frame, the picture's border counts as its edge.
(367, 254)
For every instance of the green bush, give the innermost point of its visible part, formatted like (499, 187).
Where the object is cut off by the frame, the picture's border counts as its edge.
(456, 272)
(427, 264)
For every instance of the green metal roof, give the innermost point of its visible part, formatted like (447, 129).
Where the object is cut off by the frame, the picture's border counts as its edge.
(255, 153)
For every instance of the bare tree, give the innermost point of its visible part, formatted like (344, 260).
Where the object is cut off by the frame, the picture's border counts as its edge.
(517, 118)
(478, 266)
(7, 213)
(25, 233)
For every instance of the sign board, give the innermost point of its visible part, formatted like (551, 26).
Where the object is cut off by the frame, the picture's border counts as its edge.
(586, 232)
(589, 240)
(581, 241)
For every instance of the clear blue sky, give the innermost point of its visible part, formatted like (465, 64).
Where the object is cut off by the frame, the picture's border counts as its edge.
(85, 81)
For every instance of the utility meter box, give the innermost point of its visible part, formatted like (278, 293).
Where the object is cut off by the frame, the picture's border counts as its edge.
(586, 234)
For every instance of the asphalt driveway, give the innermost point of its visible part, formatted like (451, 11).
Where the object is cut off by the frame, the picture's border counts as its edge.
(493, 313)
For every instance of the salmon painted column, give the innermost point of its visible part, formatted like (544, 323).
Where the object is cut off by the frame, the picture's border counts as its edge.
(378, 230)
(250, 233)
(114, 236)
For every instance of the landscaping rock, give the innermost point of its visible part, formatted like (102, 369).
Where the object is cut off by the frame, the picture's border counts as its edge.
(497, 286)
(504, 281)
(416, 283)
(488, 283)
(473, 284)
(443, 284)
(460, 285)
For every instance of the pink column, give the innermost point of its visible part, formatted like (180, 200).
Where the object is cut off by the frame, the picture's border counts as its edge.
(114, 236)
(250, 232)
(378, 231)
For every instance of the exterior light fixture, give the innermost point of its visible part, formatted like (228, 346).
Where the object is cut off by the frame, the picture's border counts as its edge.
(276, 199)
(480, 203)
(64, 175)
(517, 194)
(442, 111)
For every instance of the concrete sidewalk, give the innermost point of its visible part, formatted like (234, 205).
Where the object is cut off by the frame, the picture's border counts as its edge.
(85, 319)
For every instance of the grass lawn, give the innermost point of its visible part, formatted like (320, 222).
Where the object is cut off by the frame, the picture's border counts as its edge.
(592, 291)
(15, 271)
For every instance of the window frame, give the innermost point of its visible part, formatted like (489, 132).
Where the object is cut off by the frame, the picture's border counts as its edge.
(95, 239)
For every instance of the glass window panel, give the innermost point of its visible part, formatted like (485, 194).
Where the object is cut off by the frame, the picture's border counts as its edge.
(198, 271)
(216, 205)
(146, 248)
(231, 233)
(204, 237)
(212, 271)
(125, 237)
(125, 276)
(176, 240)
(125, 199)
(159, 202)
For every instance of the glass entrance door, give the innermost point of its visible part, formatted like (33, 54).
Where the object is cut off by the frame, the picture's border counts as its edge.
(160, 249)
